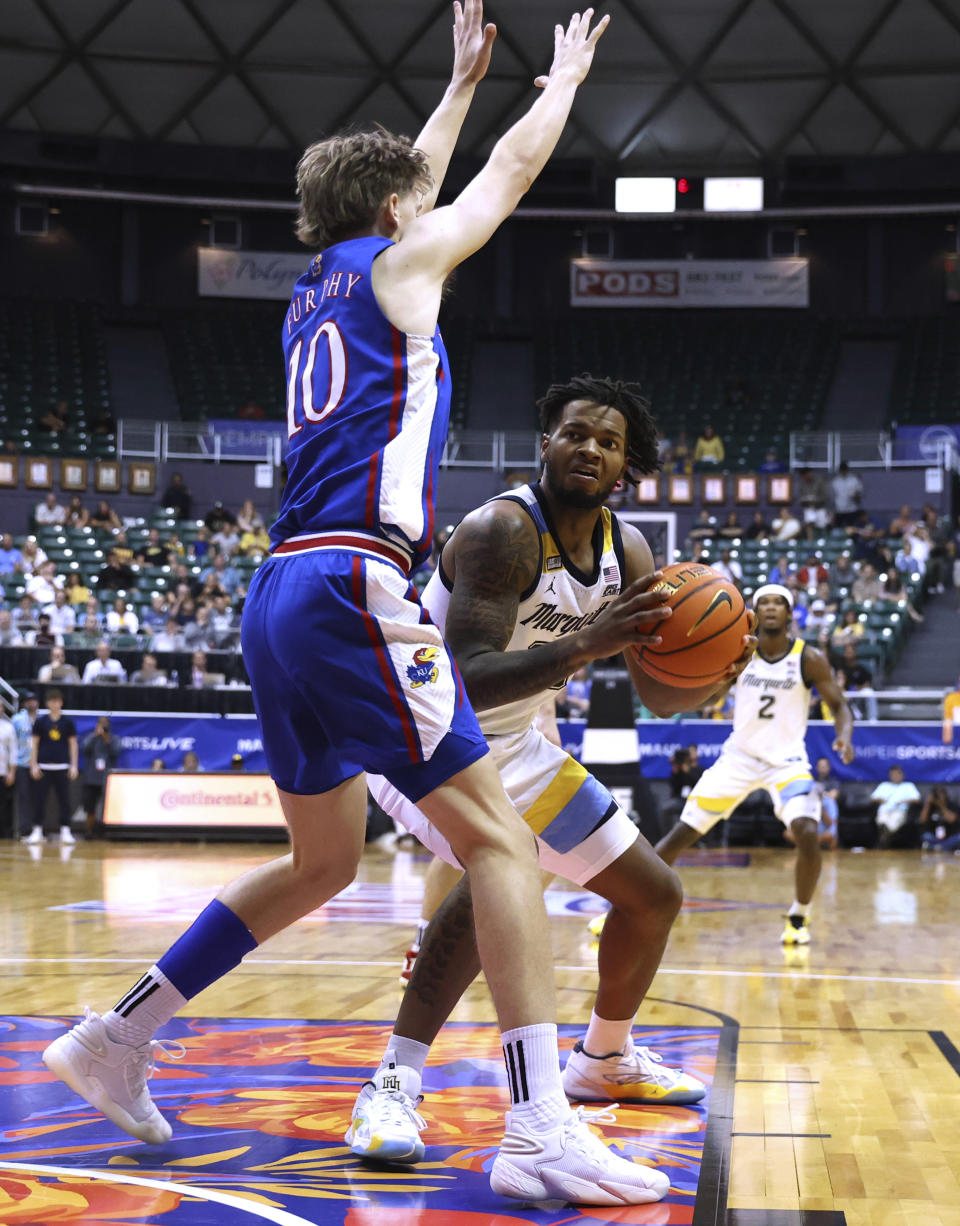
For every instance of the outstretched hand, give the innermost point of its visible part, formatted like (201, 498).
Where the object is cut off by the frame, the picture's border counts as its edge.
(573, 48)
(472, 42)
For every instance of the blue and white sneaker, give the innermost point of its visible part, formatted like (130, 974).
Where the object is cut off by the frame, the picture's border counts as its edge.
(385, 1124)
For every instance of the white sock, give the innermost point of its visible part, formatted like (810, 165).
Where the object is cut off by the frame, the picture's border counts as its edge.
(799, 908)
(421, 929)
(150, 1004)
(408, 1052)
(605, 1038)
(533, 1074)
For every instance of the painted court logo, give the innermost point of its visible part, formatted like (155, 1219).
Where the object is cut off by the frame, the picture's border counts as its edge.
(423, 670)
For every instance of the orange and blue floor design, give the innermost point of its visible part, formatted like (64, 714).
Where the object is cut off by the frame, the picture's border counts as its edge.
(259, 1109)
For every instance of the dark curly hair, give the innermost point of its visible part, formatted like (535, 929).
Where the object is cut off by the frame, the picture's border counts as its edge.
(626, 398)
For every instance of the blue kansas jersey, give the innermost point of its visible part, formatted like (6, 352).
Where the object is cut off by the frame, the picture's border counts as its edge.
(367, 410)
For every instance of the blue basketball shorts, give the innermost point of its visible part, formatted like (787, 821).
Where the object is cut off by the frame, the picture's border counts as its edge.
(349, 674)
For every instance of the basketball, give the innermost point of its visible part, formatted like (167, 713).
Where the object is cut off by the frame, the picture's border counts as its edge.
(704, 635)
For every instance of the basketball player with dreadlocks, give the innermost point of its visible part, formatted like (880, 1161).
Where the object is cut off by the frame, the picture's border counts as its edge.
(531, 586)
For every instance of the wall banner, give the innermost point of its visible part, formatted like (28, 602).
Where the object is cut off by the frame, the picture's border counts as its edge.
(689, 283)
(222, 273)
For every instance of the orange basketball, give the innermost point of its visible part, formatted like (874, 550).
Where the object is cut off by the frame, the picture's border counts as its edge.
(704, 634)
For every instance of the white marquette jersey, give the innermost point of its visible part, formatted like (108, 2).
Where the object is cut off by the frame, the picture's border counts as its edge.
(561, 600)
(771, 708)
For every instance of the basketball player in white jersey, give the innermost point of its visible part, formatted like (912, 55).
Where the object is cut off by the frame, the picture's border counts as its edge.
(530, 587)
(766, 749)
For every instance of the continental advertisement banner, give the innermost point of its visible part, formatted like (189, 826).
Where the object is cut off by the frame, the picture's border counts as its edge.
(158, 799)
(689, 283)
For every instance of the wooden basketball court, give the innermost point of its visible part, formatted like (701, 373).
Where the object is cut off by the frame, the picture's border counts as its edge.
(835, 1072)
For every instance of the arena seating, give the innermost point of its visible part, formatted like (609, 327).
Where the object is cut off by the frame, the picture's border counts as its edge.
(926, 385)
(53, 352)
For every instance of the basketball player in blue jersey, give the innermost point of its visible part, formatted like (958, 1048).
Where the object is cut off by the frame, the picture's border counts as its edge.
(766, 749)
(348, 673)
(529, 588)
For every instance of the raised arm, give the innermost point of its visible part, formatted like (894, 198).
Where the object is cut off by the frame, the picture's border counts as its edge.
(434, 244)
(817, 672)
(492, 558)
(472, 47)
(665, 700)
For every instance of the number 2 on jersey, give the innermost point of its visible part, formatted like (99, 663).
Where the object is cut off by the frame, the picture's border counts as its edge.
(766, 707)
(303, 379)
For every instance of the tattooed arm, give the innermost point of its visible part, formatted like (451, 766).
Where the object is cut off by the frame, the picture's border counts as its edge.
(491, 560)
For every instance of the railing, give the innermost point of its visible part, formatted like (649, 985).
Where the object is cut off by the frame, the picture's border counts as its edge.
(865, 449)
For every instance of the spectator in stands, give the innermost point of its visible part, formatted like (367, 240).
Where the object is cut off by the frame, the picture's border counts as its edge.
(158, 764)
(191, 763)
(10, 636)
(939, 822)
(866, 586)
(198, 633)
(43, 584)
(906, 561)
(237, 763)
(255, 542)
(732, 529)
(705, 527)
(210, 588)
(227, 576)
(170, 638)
(728, 566)
(576, 695)
(817, 616)
(842, 574)
(105, 517)
(25, 617)
(185, 609)
(893, 810)
(100, 754)
(115, 575)
(11, 559)
(57, 669)
(75, 589)
(149, 673)
(849, 630)
(63, 617)
(217, 516)
(951, 713)
(89, 634)
(758, 529)
(787, 525)
(664, 450)
(902, 523)
(847, 490)
(56, 418)
(153, 551)
(155, 617)
(708, 452)
(772, 463)
(859, 681)
(176, 551)
(183, 576)
(223, 623)
(201, 543)
(77, 514)
(92, 609)
(103, 668)
(813, 572)
(781, 571)
(811, 492)
(684, 773)
(121, 619)
(122, 548)
(103, 422)
(177, 497)
(226, 541)
(680, 459)
(200, 678)
(44, 635)
(249, 518)
(32, 557)
(893, 589)
(49, 512)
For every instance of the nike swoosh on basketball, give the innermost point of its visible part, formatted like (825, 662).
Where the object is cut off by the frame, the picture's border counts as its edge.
(718, 600)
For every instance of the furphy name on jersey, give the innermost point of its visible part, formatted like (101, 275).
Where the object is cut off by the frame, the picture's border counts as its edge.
(338, 285)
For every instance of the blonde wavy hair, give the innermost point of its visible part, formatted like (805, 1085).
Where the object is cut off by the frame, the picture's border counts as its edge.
(343, 181)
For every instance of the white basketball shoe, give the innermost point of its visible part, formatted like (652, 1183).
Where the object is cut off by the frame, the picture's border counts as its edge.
(571, 1163)
(385, 1124)
(112, 1076)
(635, 1075)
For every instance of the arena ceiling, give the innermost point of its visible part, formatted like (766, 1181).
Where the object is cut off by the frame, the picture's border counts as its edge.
(677, 84)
